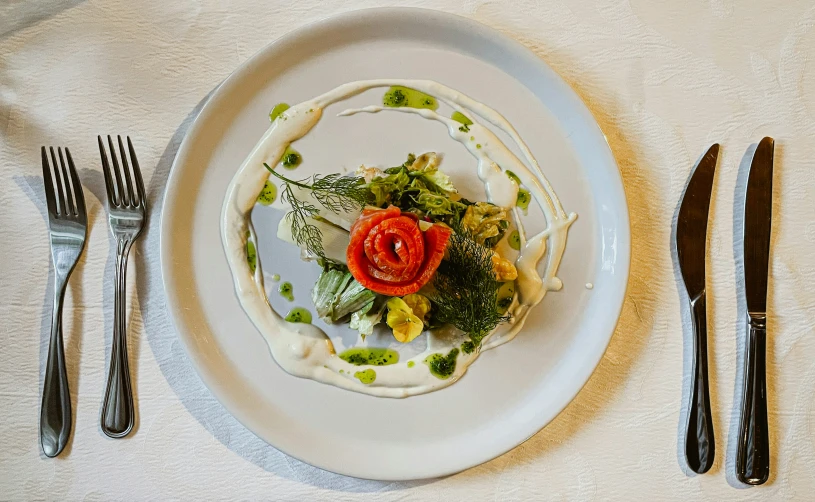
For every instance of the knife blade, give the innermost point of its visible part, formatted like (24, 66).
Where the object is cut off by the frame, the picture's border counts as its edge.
(691, 227)
(757, 223)
(690, 242)
(753, 456)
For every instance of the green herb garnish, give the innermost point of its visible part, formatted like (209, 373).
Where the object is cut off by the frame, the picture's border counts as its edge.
(411, 158)
(424, 190)
(335, 192)
(466, 288)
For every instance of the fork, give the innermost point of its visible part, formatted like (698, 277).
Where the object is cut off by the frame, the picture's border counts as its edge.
(67, 229)
(127, 212)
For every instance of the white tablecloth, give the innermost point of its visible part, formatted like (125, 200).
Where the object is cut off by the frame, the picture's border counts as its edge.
(664, 80)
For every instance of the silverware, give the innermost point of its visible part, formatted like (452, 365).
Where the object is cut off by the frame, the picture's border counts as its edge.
(127, 212)
(753, 457)
(67, 228)
(691, 238)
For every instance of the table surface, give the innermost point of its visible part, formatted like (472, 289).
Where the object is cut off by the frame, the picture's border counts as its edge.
(664, 79)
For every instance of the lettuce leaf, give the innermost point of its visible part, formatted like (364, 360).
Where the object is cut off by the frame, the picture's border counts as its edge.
(327, 290)
(353, 298)
(388, 189)
(364, 319)
(439, 179)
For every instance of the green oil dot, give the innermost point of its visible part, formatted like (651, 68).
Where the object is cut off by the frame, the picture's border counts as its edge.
(277, 110)
(299, 314)
(251, 256)
(478, 145)
(398, 96)
(276, 277)
(505, 295)
(286, 290)
(442, 366)
(375, 356)
(268, 194)
(411, 364)
(460, 117)
(514, 177)
(523, 199)
(367, 376)
(464, 120)
(342, 372)
(291, 158)
(515, 240)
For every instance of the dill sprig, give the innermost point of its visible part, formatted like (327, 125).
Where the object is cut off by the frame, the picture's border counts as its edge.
(466, 293)
(335, 192)
(340, 193)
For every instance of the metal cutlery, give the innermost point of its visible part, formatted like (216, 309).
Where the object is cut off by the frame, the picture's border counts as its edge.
(67, 228)
(127, 212)
(690, 242)
(753, 456)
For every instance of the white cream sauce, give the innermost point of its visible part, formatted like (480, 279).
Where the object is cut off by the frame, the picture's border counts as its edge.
(303, 349)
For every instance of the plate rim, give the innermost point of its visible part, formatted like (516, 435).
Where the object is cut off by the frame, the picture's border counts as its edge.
(215, 387)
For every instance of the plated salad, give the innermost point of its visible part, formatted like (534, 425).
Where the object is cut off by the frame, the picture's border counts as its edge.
(400, 246)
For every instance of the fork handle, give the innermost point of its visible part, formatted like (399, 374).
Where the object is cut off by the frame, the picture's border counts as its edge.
(55, 412)
(117, 408)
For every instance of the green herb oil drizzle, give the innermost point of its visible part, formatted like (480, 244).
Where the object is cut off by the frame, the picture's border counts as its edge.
(268, 194)
(299, 314)
(442, 366)
(370, 356)
(277, 110)
(398, 96)
(286, 290)
(367, 376)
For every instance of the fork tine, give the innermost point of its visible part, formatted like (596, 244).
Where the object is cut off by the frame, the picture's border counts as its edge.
(69, 196)
(126, 169)
(123, 200)
(137, 173)
(59, 193)
(78, 193)
(106, 170)
(49, 185)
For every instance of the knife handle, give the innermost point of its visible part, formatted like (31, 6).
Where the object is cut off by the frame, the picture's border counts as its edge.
(700, 446)
(753, 457)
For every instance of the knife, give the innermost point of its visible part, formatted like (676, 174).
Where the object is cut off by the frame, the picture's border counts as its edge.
(691, 239)
(753, 456)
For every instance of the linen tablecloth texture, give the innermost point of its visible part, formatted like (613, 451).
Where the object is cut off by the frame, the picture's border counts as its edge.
(664, 79)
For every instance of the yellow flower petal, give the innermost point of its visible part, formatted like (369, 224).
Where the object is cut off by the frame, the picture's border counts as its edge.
(406, 326)
(419, 305)
(397, 303)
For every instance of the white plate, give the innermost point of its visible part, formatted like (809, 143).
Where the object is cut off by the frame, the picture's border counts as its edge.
(509, 393)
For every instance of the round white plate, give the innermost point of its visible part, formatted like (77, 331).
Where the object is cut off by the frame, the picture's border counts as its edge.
(509, 393)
